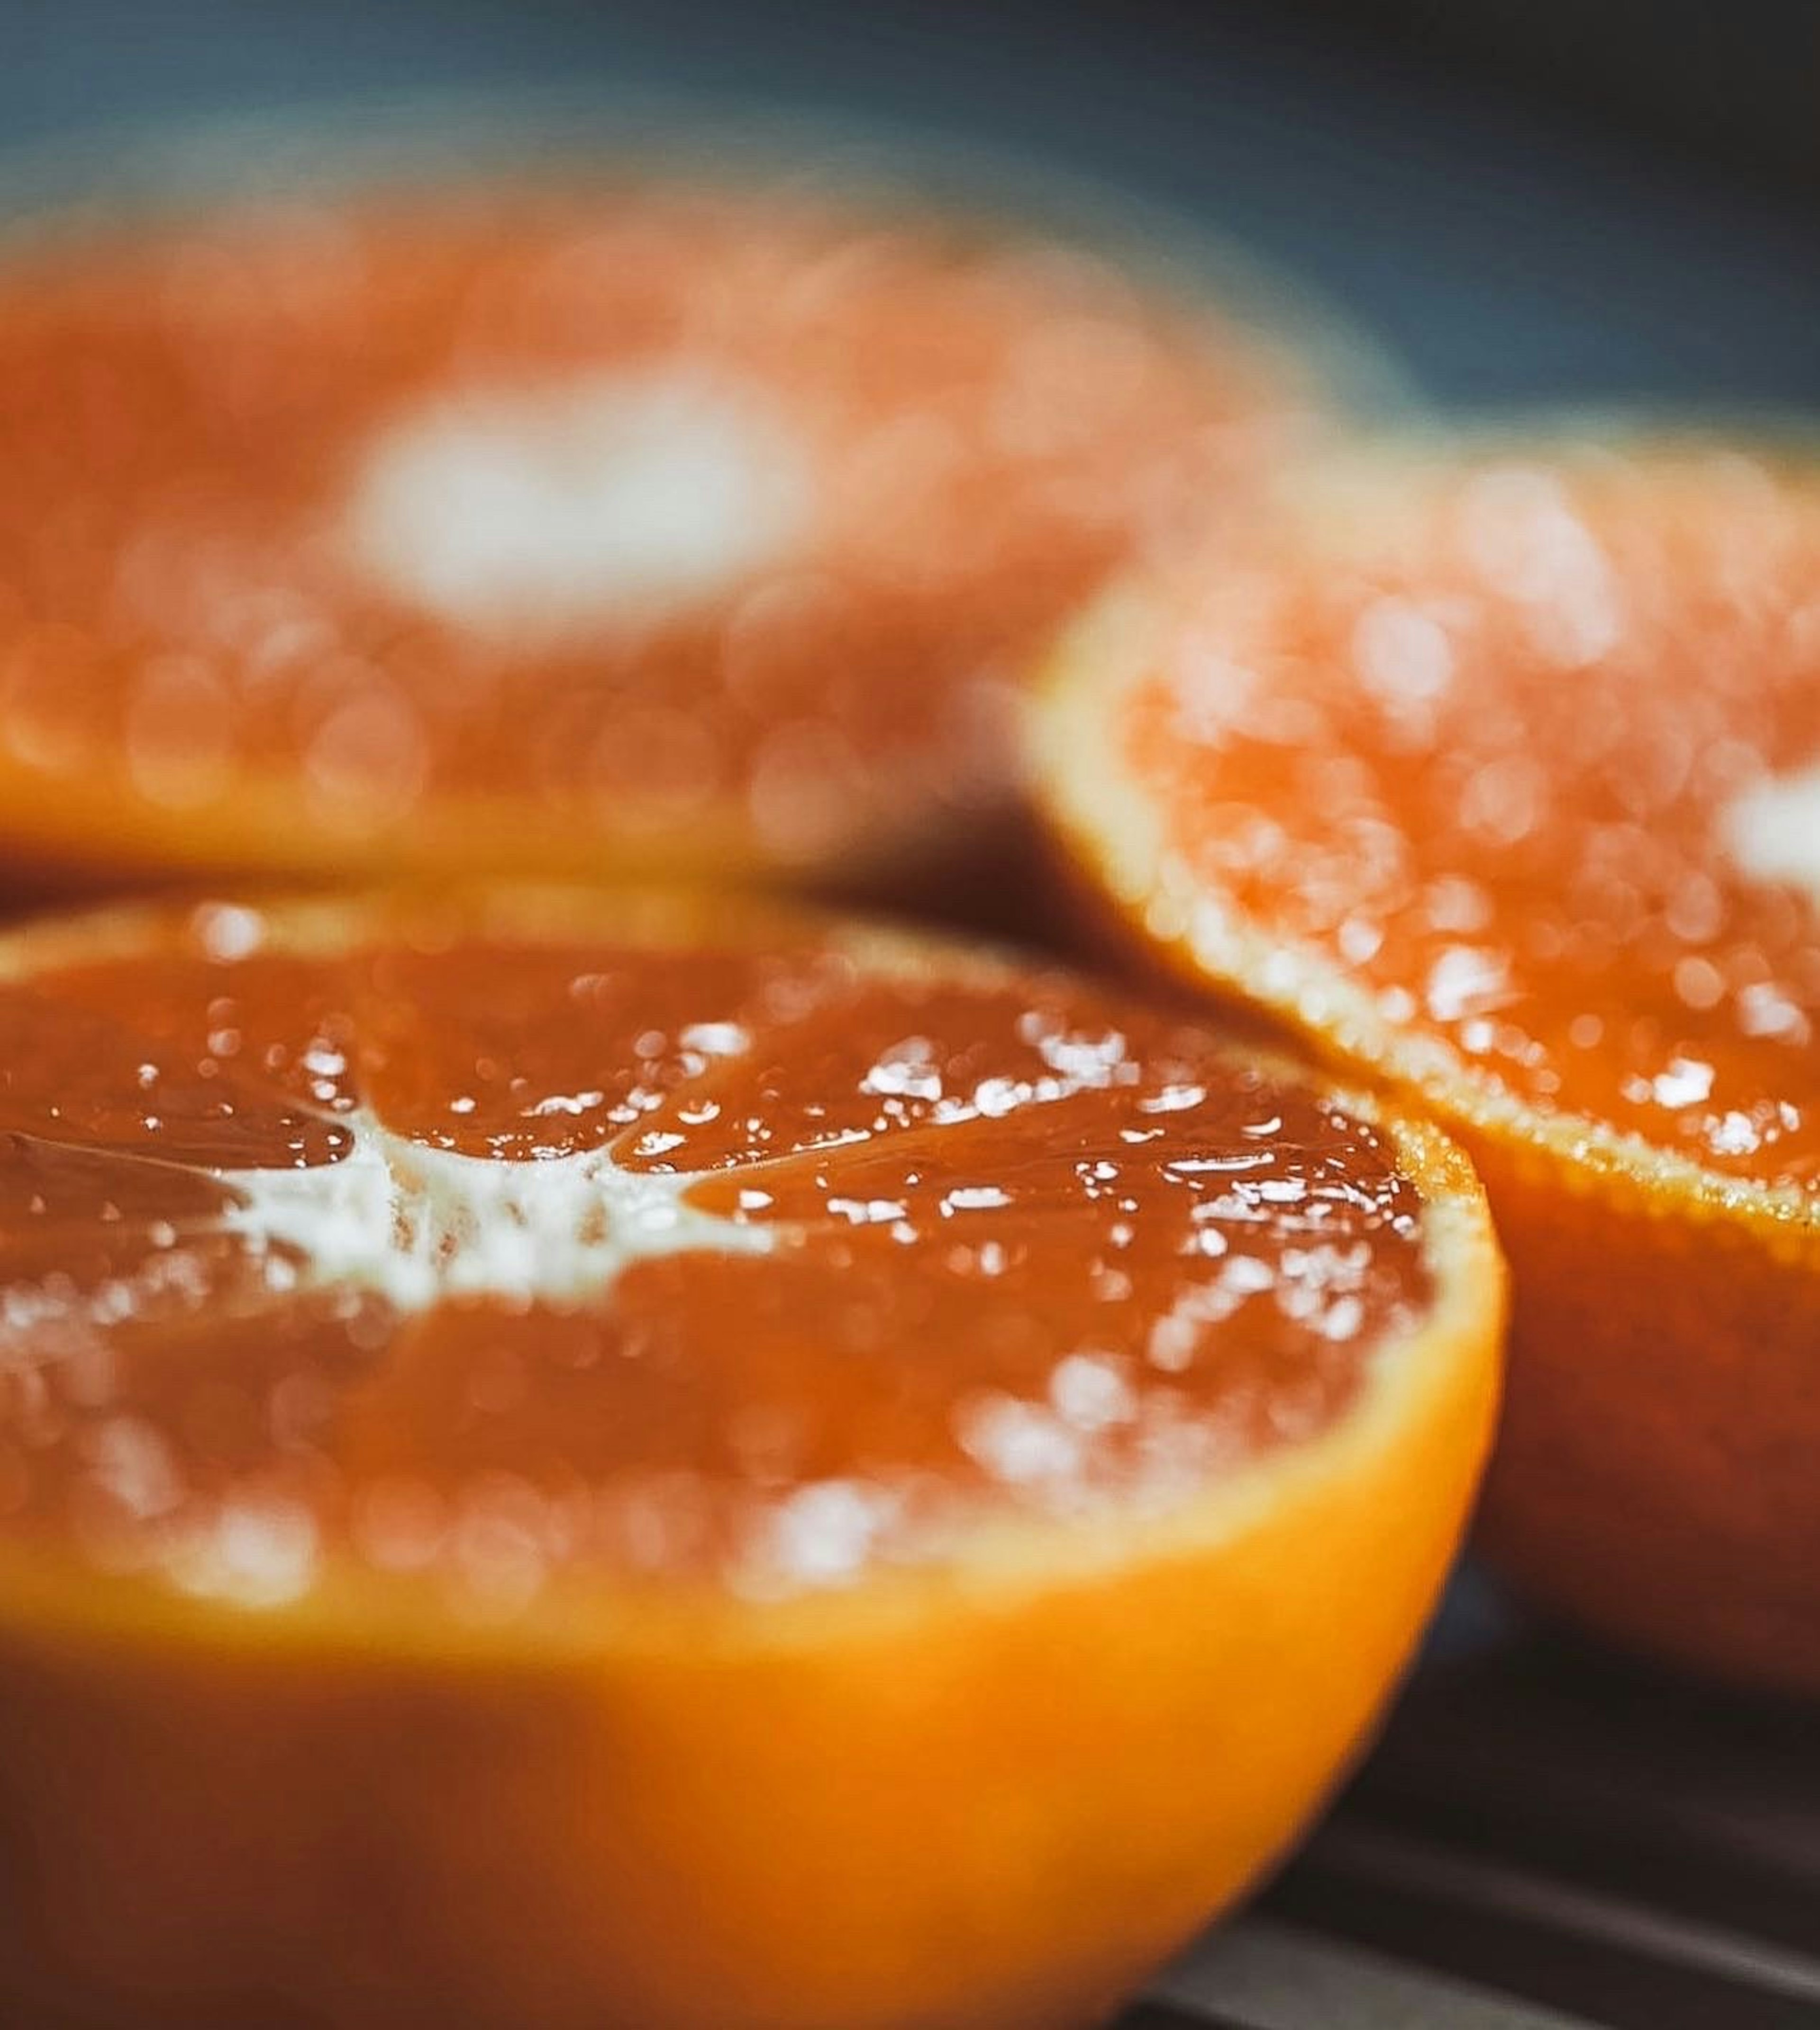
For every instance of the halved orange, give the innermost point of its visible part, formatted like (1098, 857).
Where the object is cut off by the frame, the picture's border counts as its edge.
(606, 1461)
(568, 521)
(1497, 773)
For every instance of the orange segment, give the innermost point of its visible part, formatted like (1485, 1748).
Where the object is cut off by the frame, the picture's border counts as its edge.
(1496, 776)
(625, 1474)
(557, 526)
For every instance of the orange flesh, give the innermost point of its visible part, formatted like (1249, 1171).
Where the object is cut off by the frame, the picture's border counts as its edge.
(1484, 761)
(984, 430)
(1031, 1248)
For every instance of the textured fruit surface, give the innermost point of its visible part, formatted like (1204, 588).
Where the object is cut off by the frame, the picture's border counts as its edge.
(564, 527)
(1501, 778)
(575, 1460)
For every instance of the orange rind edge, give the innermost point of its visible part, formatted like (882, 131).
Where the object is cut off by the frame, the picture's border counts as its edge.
(1612, 1547)
(989, 1796)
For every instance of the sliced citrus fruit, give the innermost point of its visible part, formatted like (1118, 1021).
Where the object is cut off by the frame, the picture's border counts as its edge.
(1498, 774)
(568, 523)
(600, 1461)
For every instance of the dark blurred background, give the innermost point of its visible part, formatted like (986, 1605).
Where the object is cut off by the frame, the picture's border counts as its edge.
(1585, 200)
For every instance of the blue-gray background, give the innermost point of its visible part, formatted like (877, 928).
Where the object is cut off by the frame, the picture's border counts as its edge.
(1470, 200)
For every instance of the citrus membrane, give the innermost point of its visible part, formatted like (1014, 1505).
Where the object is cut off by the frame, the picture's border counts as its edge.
(493, 1250)
(631, 1437)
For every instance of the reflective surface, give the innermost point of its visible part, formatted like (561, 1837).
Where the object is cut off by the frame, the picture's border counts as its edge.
(482, 1256)
(1533, 753)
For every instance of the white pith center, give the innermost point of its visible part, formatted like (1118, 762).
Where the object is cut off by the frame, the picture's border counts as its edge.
(415, 1224)
(1773, 831)
(546, 511)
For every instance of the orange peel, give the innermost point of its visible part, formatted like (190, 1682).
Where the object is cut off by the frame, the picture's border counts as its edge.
(916, 1601)
(1483, 774)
